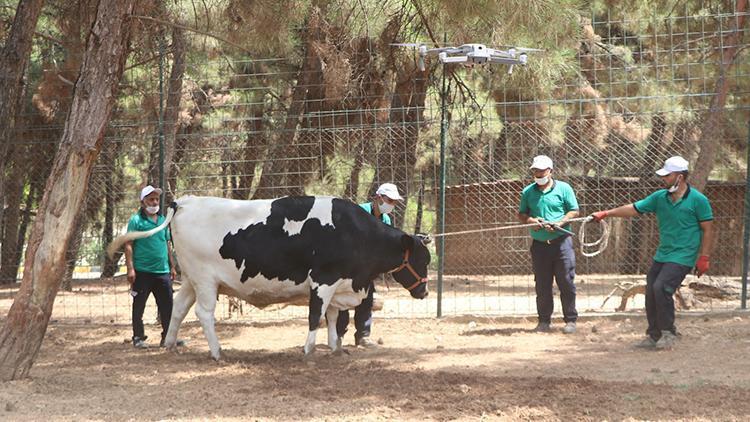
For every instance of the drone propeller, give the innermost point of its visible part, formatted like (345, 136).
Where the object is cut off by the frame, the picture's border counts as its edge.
(522, 49)
(407, 44)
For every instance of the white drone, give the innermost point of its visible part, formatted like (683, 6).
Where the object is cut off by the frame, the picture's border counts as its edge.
(473, 54)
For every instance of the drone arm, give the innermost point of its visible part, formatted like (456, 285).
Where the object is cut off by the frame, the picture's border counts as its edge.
(506, 60)
(445, 58)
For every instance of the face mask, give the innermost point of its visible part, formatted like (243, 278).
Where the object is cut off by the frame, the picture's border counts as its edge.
(541, 181)
(385, 208)
(673, 188)
(152, 210)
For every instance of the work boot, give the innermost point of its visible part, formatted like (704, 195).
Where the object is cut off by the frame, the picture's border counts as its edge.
(569, 328)
(366, 343)
(666, 342)
(646, 343)
(543, 327)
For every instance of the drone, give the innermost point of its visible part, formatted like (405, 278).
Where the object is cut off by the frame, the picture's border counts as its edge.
(473, 54)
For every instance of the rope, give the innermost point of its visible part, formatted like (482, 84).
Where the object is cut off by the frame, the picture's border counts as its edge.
(602, 242)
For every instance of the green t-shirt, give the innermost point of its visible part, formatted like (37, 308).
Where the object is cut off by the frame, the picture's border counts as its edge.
(551, 205)
(383, 217)
(150, 253)
(680, 232)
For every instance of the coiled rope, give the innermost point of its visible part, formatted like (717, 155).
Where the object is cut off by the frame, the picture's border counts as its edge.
(600, 244)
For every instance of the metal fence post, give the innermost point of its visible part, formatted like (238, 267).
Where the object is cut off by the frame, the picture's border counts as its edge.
(441, 207)
(161, 120)
(746, 237)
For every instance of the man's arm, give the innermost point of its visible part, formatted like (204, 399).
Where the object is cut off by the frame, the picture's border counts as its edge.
(567, 217)
(129, 262)
(708, 237)
(623, 211)
(524, 218)
(701, 266)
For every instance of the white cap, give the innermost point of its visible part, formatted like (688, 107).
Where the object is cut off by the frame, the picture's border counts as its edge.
(390, 190)
(148, 190)
(541, 162)
(673, 164)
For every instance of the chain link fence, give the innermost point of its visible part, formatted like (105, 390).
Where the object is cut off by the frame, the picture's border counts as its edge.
(247, 129)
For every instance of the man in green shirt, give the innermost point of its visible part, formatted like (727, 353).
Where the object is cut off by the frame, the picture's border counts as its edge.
(550, 204)
(685, 223)
(150, 266)
(380, 207)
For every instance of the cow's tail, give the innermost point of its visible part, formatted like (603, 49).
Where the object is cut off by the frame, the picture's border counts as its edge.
(128, 237)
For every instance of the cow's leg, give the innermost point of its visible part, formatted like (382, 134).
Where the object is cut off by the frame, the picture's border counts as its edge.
(334, 341)
(204, 309)
(320, 298)
(184, 299)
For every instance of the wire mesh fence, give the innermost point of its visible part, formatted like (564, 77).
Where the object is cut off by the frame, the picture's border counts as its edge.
(248, 129)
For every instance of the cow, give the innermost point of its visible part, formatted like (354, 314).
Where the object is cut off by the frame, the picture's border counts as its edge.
(283, 250)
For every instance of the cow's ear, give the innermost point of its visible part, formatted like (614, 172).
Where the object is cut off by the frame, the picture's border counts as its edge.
(407, 242)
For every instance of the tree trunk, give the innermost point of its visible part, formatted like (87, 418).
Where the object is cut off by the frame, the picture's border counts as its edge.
(14, 194)
(172, 112)
(13, 58)
(94, 95)
(420, 205)
(31, 198)
(271, 183)
(712, 120)
(112, 179)
(655, 144)
(255, 141)
(272, 179)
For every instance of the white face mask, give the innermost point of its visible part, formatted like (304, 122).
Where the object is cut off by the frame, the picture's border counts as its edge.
(152, 210)
(673, 188)
(541, 181)
(385, 208)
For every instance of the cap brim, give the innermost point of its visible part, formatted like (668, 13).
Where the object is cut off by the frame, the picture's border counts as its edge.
(662, 172)
(396, 198)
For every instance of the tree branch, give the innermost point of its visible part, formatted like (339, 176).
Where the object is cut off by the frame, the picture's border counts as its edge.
(187, 28)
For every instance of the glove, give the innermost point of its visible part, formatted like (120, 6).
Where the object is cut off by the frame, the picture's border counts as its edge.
(701, 266)
(599, 215)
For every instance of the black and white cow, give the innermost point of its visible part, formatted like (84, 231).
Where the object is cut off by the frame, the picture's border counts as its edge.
(283, 250)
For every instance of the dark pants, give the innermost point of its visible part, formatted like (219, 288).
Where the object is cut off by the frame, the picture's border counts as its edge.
(554, 260)
(161, 286)
(662, 281)
(362, 317)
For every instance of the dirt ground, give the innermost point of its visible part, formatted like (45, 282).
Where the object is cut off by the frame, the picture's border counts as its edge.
(426, 369)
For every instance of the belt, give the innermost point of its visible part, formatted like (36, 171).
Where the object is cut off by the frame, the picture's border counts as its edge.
(552, 241)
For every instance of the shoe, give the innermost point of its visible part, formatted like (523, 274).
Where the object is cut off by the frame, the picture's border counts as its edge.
(366, 343)
(543, 327)
(667, 340)
(140, 343)
(569, 328)
(178, 343)
(646, 343)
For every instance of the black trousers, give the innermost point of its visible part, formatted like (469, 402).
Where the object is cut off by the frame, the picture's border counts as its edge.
(555, 260)
(362, 317)
(662, 281)
(161, 286)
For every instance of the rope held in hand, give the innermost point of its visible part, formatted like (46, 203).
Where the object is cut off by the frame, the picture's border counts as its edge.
(602, 242)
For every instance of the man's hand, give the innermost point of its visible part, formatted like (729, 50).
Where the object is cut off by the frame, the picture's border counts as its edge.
(173, 273)
(599, 215)
(701, 266)
(535, 220)
(131, 276)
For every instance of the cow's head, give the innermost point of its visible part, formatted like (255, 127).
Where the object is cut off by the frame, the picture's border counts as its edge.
(412, 273)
